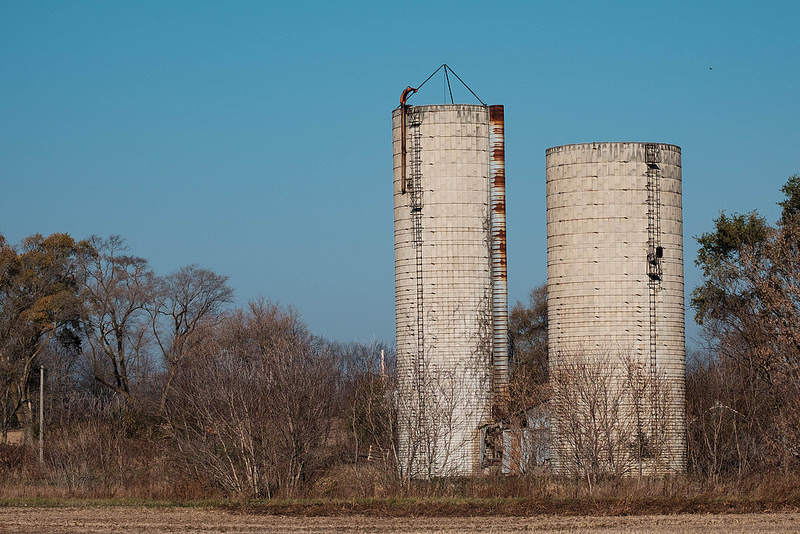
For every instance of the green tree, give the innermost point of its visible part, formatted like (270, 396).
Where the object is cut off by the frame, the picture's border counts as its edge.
(791, 205)
(39, 303)
(749, 307)
(527, 331)
(529, 377)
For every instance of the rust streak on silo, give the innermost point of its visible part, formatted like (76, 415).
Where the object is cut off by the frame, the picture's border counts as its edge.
(497, 172)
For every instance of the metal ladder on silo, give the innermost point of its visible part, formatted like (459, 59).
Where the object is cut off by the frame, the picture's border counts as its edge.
(414, 188)
(655, 253)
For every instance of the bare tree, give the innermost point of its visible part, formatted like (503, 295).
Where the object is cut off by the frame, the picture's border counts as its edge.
(117, 287)
(610, 414)
(437, 416)
(444, 395)
(186, 305)
(252, 408)
(729, 418)
(369, 387)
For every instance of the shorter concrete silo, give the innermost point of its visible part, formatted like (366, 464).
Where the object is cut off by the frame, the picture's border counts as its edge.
(615, 306)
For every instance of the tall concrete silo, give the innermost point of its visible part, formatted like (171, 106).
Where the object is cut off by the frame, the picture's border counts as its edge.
(615, 304)
(450, 283)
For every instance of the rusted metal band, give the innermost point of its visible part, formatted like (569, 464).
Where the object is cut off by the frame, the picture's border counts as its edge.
(497, 177)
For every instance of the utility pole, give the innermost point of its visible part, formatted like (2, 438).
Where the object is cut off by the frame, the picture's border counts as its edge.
(41, 415)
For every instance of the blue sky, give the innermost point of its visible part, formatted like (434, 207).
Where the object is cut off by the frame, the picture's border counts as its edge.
(254, 139)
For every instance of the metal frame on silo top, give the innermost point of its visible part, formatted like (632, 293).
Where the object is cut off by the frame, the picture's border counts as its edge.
(449, 285)
(615, 286)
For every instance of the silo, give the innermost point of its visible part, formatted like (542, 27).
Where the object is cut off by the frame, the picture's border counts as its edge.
(450, 283)
(615, 307)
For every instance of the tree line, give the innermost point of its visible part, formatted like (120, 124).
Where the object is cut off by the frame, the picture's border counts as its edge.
(743, 391)
(90, 312)
(160, 374)
(159, 385)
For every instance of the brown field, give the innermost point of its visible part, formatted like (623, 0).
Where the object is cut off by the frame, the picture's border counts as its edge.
(87, 519)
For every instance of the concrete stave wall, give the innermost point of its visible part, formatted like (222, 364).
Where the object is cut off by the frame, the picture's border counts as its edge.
(445, 401)
(598, 285)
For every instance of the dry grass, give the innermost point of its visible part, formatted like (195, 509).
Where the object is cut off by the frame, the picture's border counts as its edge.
(553, 499)
(491, 505)
(367, 490)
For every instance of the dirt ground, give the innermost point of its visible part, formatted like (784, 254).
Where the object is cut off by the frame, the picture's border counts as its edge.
(197, 520)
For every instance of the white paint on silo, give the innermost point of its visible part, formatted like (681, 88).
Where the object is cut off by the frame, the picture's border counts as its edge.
(615, 292)
(443, 286)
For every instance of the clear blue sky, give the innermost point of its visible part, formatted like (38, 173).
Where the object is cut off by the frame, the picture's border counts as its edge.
(253, 138)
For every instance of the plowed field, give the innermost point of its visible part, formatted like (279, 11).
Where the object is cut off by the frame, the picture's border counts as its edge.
(186, 520)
